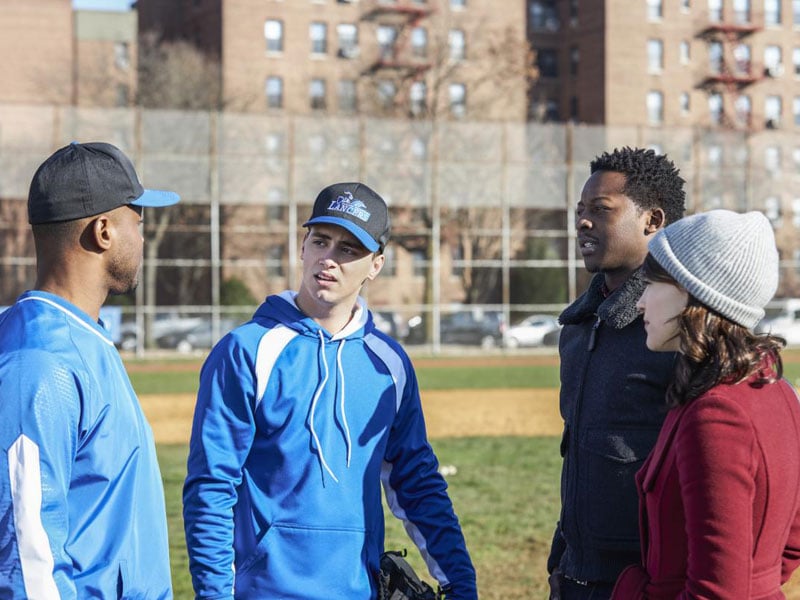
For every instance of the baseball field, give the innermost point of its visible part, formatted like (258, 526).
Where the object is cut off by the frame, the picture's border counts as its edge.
(494, 424)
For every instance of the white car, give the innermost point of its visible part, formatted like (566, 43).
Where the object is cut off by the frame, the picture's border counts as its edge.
(531, 331)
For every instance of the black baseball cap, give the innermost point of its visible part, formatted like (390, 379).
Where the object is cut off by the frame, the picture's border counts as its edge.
(357, 208)
(83, 180)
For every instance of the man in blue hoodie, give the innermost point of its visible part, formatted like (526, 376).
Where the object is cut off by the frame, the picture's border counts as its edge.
(81, 498)
(301, 414)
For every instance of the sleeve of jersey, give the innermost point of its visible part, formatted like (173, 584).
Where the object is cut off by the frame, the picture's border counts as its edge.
(39, 425)
(222, 433)
(417, 494)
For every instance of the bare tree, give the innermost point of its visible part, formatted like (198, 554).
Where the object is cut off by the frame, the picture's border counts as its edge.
(176, 74)
(495, 66)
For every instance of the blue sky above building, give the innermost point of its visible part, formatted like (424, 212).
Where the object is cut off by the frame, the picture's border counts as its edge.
(110, 5)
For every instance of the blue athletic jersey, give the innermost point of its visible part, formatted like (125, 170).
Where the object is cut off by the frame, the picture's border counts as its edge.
(81, 497)
(293, 433)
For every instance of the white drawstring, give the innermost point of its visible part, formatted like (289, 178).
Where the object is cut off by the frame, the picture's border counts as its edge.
(317, 394)
(344, 415)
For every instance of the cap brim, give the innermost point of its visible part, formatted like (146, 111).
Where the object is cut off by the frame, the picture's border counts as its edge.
(156, 198)
(361, 235)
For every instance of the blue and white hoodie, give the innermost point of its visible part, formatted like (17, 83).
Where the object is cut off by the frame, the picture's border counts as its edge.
(81, 498)
(293, 431)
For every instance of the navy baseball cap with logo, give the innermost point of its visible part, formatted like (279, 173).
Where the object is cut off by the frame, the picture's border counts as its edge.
(357, 208)
(84, 180)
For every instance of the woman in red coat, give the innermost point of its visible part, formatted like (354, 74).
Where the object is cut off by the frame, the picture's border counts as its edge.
(720, 492)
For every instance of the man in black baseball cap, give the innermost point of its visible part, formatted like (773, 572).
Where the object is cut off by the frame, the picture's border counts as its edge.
(83, 502)
(310, 401)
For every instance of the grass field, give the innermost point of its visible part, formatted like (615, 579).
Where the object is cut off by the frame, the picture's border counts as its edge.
(505, 491)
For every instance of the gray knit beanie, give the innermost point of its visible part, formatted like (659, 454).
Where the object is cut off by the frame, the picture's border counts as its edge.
(727, 260)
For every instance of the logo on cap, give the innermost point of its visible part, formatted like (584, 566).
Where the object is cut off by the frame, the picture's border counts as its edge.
(350, 206)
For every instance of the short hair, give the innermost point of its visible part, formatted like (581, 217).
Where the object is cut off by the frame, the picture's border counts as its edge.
(57, 235)
(651, 180)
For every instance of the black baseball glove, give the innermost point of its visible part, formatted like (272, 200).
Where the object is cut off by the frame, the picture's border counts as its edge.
(398, 581)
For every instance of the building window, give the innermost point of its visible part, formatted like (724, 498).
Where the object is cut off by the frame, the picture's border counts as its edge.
(773, 61)
(772, 12)
(419, 42)
(741, 58)
(684, 52)
(318, 32)
(655, 10)
(796, 224)
(796, 60)
(573, 108)
(551, 112)
(273, 33)
(772, 159)
(741, 11)
(744, 110)
(772, 210)
(122, 56)
(348, 40)
(715, 108)
(274, 91)
(655, 56)
(796, 160)
(684, 103)
(275, 261)
(573, 13)
(715, 10)
(796, 13)
(574, 60)
(547, 62)
(796, 110)
(457, 43)
(418, 98)
(773, 108)
(387, 36)
(458, 4)
(348, 101)
(686, 5)
(316, 93)
(458, 99)
(123, 94)
(655, 108)
(386, 93)
(715, 57)
(543, 15)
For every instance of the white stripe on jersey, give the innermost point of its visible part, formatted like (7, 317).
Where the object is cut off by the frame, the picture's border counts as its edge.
(32, 542)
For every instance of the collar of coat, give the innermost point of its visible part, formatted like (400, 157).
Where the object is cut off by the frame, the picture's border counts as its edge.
(618, 310)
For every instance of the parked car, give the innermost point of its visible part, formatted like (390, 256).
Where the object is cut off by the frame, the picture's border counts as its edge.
(468, 327)
(164, 325)
(531, 331)
(200, 336)
(390, 323)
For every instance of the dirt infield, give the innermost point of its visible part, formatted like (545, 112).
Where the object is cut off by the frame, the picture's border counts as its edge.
(448, 413)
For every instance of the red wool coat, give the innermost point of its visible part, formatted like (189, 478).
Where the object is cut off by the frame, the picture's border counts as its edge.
(720, 498)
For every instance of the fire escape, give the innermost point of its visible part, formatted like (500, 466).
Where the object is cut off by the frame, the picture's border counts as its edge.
(730, 67)
(403, 49)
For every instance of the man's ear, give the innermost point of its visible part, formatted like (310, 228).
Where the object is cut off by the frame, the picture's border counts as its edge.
(101, 232)
(656, 221)
(377, 264)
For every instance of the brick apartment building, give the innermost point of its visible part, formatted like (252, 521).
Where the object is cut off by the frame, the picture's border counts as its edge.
(711, 63)
(339, 57)
(54, 55)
